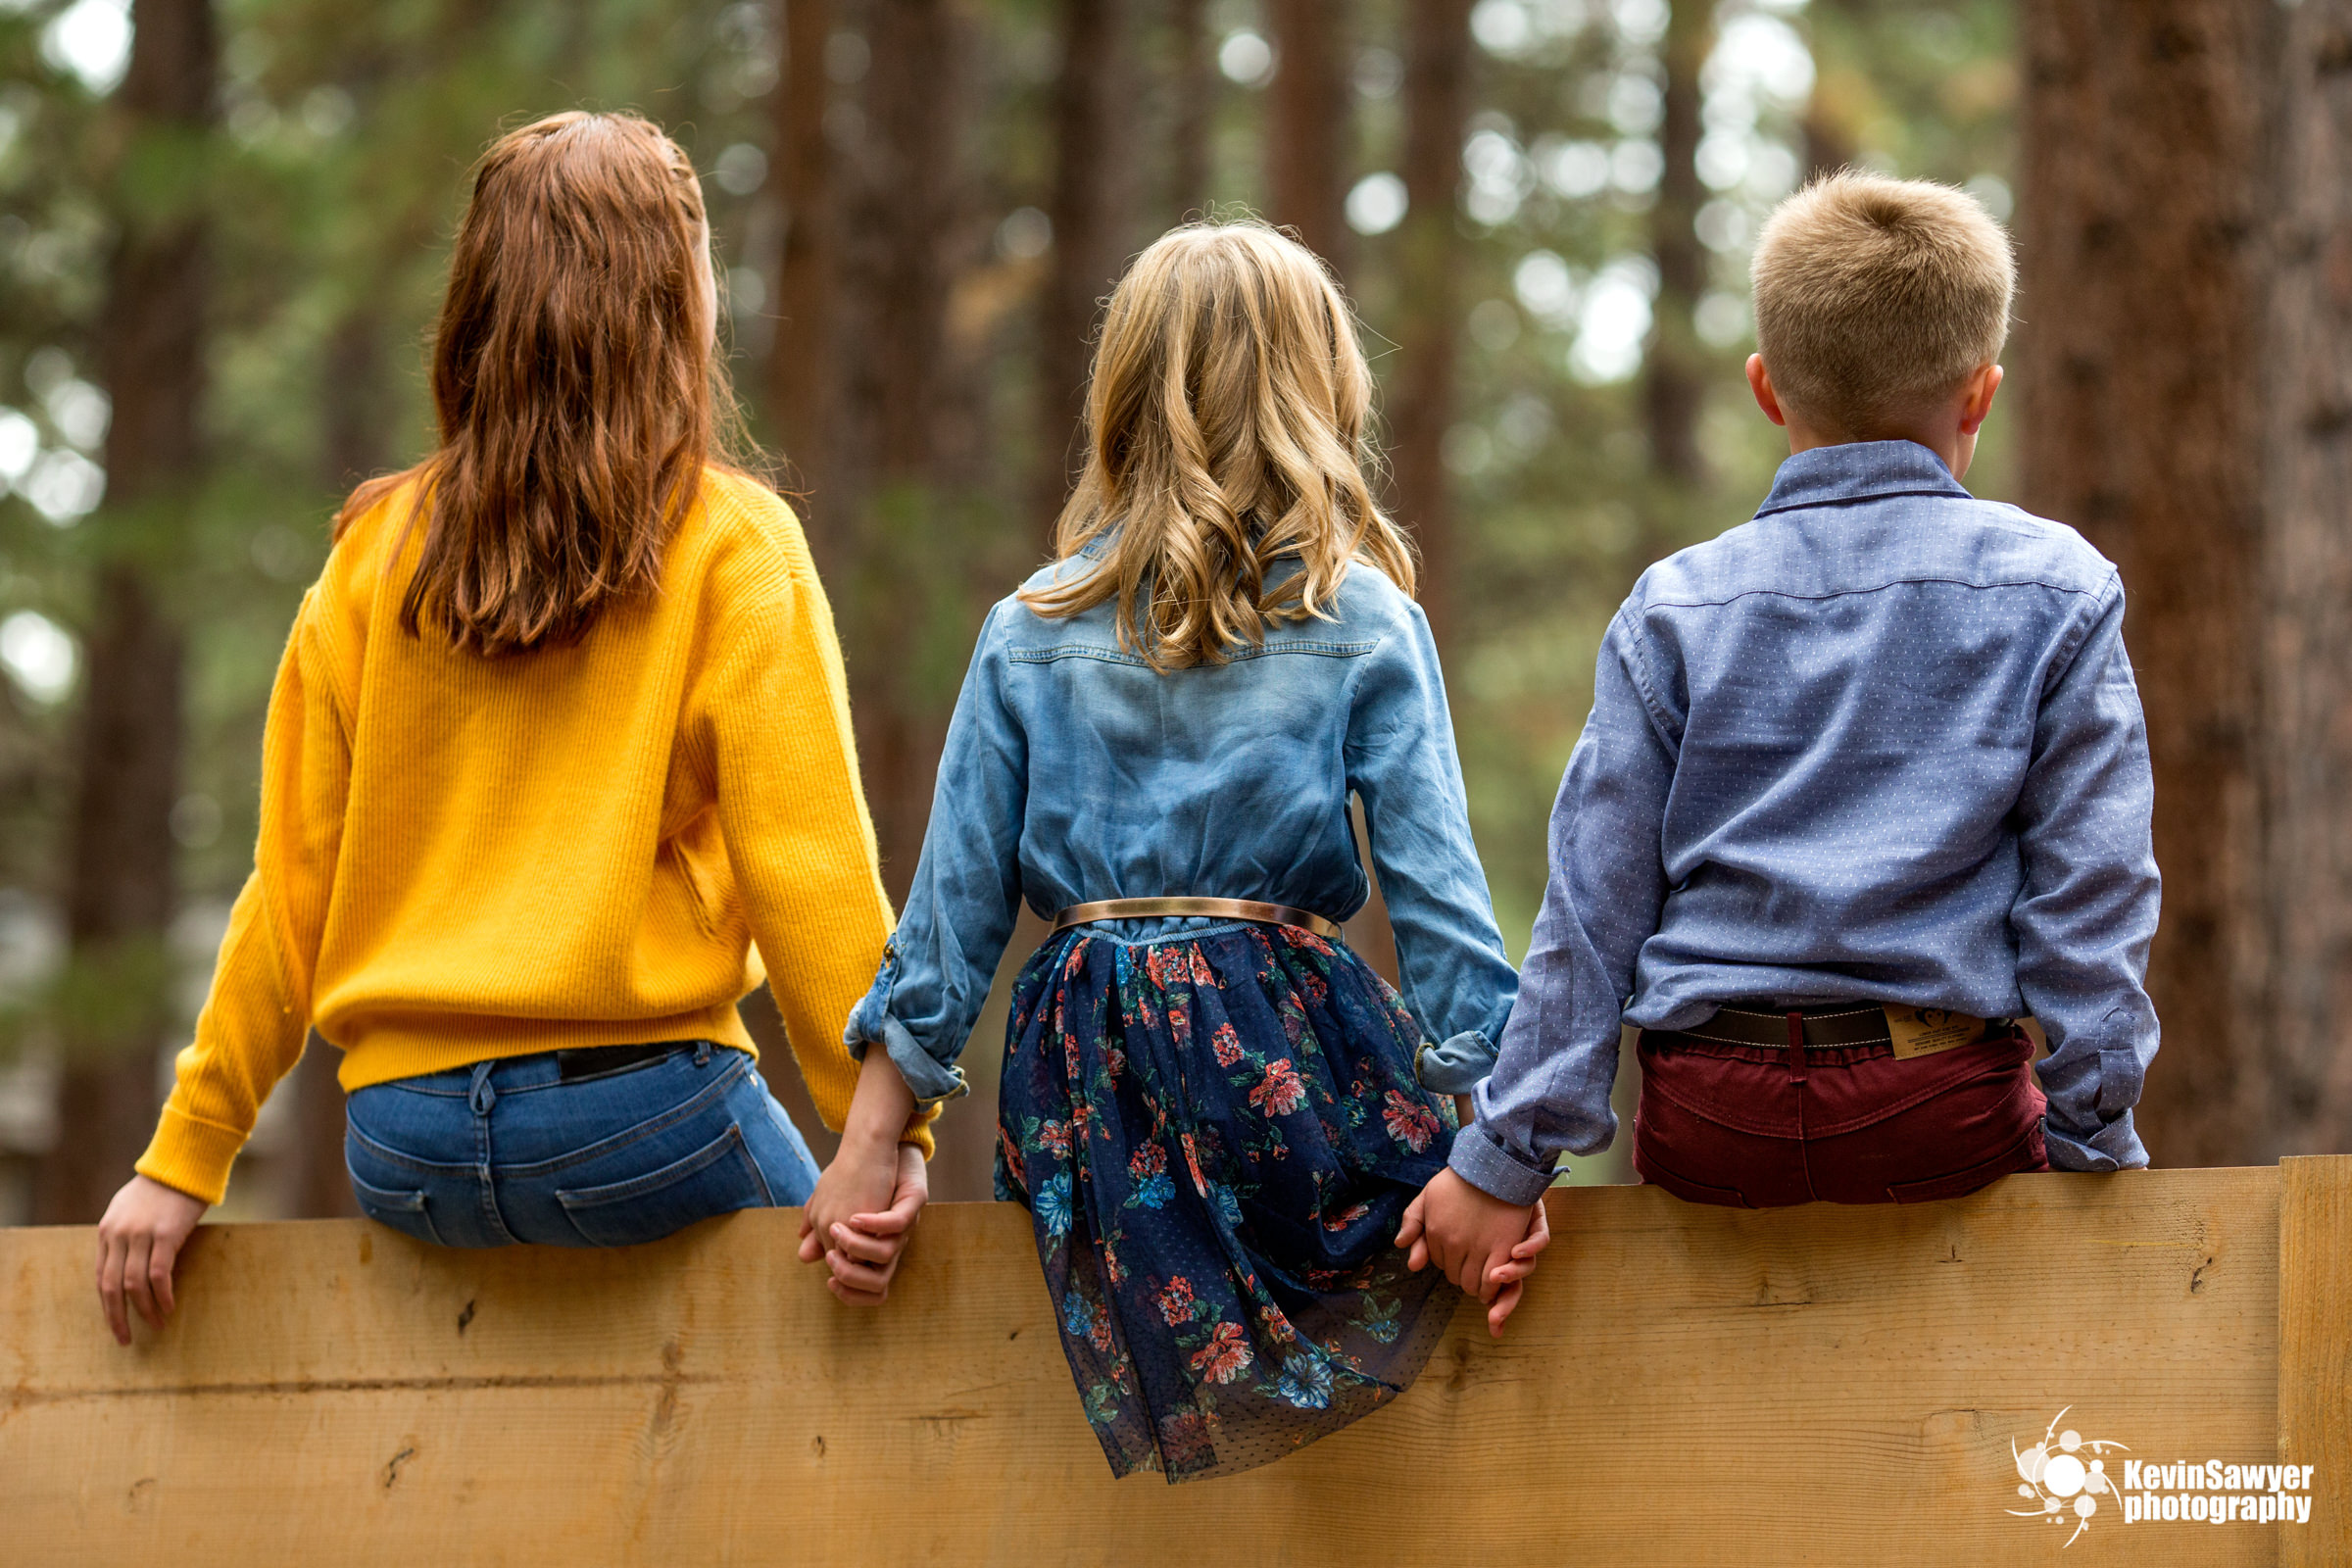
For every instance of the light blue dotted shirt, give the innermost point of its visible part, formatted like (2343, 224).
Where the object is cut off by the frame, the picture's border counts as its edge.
(1880, 744)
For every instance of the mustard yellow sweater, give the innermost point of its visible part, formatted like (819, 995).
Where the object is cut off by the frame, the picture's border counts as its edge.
(463, 859)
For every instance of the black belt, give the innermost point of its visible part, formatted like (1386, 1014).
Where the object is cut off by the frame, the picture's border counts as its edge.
(1844, 1024)
(595, 1062)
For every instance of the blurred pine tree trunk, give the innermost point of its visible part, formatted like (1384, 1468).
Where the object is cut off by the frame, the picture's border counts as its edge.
(2301, 1069)
(899, 222)
(118, 1004)
(1093, 104)
(801, 365)
(1421, 398)
(2141, 232)
(1674, 381)
(1310, 120)
(1193, 75)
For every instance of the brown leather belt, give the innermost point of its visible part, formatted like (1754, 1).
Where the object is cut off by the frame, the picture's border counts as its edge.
(1846, 1024)
(1215, 909)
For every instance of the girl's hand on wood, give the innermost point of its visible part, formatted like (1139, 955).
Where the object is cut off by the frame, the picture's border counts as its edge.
(864, 1179)
(865, 1252)
(139, 1241)
(1509, 1279)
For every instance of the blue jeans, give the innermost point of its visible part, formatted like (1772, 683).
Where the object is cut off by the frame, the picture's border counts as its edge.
(509, 1151)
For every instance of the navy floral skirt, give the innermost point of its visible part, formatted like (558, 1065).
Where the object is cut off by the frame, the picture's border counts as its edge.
(1216, 1137)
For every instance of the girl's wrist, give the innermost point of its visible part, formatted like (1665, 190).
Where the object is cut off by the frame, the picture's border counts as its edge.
(870, 1142)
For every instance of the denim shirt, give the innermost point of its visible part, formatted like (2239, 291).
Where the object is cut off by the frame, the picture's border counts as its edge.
(1073, 772)
(1880, 744)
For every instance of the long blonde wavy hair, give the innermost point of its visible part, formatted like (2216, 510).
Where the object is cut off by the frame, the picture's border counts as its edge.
(1225, 430)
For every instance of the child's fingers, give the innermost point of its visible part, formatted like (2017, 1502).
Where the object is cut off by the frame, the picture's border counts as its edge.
(1491, 1277)
(160, 1263)
(896, 1220)
(856, 1298)
(1417, 1259)
(1468, 1273)
(134, 1279)
(863, 1248)
(1509, 1273)
(1539, 1234)
(110, 1253)
(811, 1248)
(857, 1275)
(1506, 1302)
(1410, 1229)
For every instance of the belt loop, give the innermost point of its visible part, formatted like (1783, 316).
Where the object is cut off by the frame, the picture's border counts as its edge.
(482, 1096)
(1796, 1048)
(702, 1052)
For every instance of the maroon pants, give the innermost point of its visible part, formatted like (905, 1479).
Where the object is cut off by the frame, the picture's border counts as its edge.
(1851, 1124)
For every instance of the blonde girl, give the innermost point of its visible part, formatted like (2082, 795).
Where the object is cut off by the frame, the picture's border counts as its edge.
(1209, 1103)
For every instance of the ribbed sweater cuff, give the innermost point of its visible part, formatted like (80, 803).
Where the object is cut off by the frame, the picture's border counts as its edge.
(191, 1157)
(919, 1130)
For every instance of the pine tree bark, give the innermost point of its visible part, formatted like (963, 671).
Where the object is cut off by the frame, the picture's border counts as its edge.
(895, 281)
(1091, 110)
(800, 367)
(2139, 422)
(1674, 381)
(2299, 1071)
(1308, 125)
(1436, 108)
(116, 1010)
(1194, 83)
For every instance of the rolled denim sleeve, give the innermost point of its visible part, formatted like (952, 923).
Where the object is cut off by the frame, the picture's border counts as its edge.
(1457, 979)
(1549, 1090)
(960, 912)
(2087, 909)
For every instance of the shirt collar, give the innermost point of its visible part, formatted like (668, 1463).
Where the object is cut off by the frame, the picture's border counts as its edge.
(1858, 471)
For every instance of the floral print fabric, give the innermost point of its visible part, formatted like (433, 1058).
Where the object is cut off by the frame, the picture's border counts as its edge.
(1216, 1137)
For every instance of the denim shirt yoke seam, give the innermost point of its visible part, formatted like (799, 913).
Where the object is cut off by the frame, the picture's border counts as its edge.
(1956, 492)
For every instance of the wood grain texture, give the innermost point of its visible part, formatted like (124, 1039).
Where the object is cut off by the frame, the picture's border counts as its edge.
(2315, 1351)
(1686, 1386)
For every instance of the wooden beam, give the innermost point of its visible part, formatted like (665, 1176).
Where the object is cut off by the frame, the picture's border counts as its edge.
(1684, 1386)
(2315, 1351)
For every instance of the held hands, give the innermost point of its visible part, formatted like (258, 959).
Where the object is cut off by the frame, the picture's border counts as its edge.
(139, 1241)
(1486, 1246)
(859, 1219)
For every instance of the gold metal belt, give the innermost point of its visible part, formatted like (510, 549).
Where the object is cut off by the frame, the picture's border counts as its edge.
(1217, 909)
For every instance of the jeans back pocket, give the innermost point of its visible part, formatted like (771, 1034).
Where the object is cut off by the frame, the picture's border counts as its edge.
(403, 1211)
(718, 1177)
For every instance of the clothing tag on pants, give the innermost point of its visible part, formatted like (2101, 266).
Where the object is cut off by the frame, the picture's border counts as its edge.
(1924, 1031)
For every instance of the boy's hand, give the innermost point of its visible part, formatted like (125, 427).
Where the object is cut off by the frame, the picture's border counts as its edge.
(1484, 1245)
(1512, 1276)
(138, 1242)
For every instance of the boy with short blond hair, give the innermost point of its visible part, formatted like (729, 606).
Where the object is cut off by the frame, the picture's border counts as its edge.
(1865, 782)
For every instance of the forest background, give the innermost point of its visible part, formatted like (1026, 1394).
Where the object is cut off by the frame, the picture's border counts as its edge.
(224, 225)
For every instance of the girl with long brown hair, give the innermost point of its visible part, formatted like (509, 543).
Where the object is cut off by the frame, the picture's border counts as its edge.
(559, 735)
(1214, 1111)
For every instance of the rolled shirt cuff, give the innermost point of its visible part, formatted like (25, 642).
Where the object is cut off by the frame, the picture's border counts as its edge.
(2112, 1146)
(933, 1082)
(1487, 1165)
(1455, 1065)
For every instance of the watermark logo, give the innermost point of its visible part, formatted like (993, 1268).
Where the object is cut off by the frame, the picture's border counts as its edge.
(2068, 1478)
(2058, 1481)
